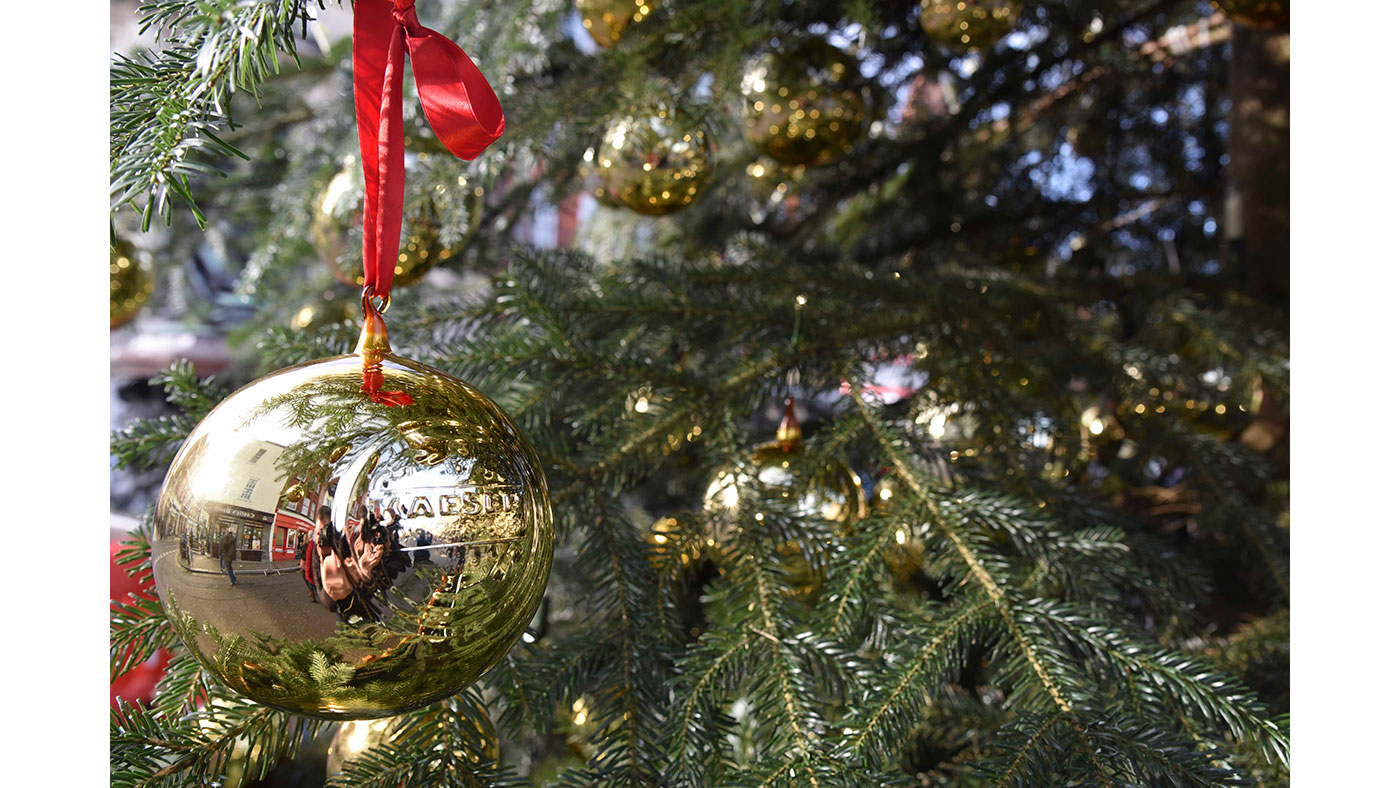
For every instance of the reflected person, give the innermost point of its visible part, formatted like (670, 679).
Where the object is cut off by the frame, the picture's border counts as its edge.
(227, 545)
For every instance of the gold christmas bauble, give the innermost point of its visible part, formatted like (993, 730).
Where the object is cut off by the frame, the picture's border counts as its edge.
(805, 103)
(605, 19)
(592, 179)
(131, 283)
(973, 24)
(337, 234)
(834, 494)
(906, 555)
(777, 196)
(427, 517)
(653, 161)
(355, 737)
(1265, 14)
(328, 309)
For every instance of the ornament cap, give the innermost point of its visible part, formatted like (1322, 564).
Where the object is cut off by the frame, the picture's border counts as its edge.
(789, 429)
(374, 336)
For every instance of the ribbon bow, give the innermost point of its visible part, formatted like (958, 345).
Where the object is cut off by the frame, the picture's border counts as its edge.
(459, 103)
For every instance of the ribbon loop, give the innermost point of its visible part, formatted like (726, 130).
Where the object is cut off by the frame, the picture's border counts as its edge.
(406, 15)
(459, 103)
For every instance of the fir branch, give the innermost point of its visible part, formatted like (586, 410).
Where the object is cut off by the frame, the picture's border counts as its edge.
(167, 106)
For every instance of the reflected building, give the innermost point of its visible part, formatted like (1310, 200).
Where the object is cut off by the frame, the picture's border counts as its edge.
(248, 499)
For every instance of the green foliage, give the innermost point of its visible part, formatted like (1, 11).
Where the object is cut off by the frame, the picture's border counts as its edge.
(153, 442)
(167, 105)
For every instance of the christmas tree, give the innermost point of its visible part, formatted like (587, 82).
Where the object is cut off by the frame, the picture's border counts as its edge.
(910, 379)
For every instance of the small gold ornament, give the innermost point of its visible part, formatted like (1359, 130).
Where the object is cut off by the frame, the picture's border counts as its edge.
(1264, 14)
(424, 515)
(778, 198)
(592, 179)
(327, 309)
(131, 282)
(975, 24)
(835, 494)
(337, 234)
(666, 535)
(653, 161)
(355, 737)
(906, 555)
(605, 19)
(805, 103)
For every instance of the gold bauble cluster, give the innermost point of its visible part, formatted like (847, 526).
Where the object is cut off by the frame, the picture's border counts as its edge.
(968, 23)
(605, 19)
(337, 234)
(653, 161)
(834, 494)
(1265, 14)
(131, 283)
(805, 103)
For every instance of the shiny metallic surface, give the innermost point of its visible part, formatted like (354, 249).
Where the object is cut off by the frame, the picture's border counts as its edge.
(435, 555)
(131, 283)
(805, 103)
(653, 161)
(968, 24)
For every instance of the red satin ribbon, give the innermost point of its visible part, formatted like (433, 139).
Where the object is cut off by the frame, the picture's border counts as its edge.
(459, 103)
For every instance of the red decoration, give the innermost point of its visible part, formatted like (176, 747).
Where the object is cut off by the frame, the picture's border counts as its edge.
(461, 108)
(137, 685)
(458, 102)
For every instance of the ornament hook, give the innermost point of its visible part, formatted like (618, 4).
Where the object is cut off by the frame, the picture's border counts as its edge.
(367, 297)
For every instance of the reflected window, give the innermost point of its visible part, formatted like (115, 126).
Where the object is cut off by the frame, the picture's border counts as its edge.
(252, 539)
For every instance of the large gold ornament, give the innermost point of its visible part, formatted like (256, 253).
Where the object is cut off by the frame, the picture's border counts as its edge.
(355, 737)
(337, 234)
(805, 103)
(653, 162)
(968, 23)
(353, 537)
(1264, 14)
(834, 494)
(605, 19)
(131, 282)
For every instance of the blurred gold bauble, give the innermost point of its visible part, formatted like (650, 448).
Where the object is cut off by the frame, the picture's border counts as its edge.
(1264, 14)
(777, 196)
(131, 283)
(327, 309)
(355, 737)
(376, 626)
(592, 179)
(968, 23)
(337, 234)
(906, 555)
(834, 494)
(666, 535)
(653, 162)
(805, 103)
(605, 19)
